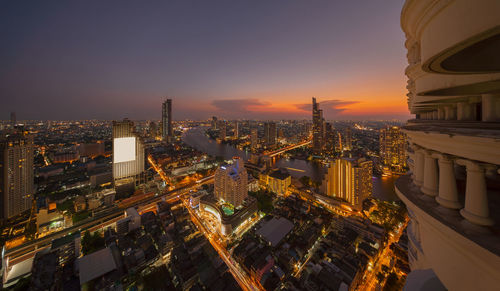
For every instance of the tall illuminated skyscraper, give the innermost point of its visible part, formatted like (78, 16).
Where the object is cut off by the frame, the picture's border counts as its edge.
(253, 138)
(393, 148)
(128, 154)
(231, 182)
(452, 191)
(348, 139)
(214, 123)
(16, 173)
(167, 130)
(270, 133)
(318, 128)
(13, 120)
(222, 130)
(236, 129)
(349, 180)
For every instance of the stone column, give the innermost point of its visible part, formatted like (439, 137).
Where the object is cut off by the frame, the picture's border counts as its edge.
(430, 184)
(464, 111)
(491, 107)
(447, 194)
(419, 167)
(441, 113)
(476, 196)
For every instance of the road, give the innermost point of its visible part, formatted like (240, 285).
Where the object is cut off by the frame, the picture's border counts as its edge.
(100, 220)
(383, 258)
(245, 281)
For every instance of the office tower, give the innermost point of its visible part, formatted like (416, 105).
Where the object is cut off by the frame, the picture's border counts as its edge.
(330, 137)
(349, 180)
(393, 148)
(153, 130)
(338, 142)
(166, 121)
(222, 130)
(16, 173)
(348, 139)
(214, 123)
(13, 119)
(128, 154)
(231, 182)
(318, 128)
(236, 129)
(452, 190)
(253, 138)
(270, 133)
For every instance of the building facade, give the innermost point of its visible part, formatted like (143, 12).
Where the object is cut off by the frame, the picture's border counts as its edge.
(318, 128)
(393, 149)
(222, 130)
(128, 154)
(276, 181)
(350, 180)
(16, 170)
(451, 191)
(167, 130)
(270, 133)
(231, 183)
(254, 139)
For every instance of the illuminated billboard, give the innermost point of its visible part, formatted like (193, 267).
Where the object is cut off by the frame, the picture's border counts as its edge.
(123, 149)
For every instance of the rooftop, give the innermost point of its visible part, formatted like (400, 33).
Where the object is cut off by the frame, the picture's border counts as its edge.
(275, 230)
(95, 265)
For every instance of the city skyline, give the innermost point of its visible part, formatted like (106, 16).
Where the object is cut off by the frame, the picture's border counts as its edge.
(266, 69)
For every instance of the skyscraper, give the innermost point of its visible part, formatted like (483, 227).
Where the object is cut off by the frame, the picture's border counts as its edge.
(393, 148)
(16, 173)
(349, 180)
(214, 123)
(128, 154)
(236, 129)
(167, 130)
(222, 130)
(452, 190)
(231, 182)
(318, 128)
(13, 120)
(253, 138)
(348, 139)
(270, 133)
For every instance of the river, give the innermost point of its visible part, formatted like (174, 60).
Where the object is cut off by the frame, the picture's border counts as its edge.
(383, 187)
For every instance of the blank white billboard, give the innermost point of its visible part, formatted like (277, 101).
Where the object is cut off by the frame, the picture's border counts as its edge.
(123, 149)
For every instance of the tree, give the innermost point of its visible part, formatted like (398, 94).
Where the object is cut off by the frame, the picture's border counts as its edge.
(92, 242)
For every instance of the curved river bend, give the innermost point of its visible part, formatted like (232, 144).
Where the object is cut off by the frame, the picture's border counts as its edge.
(383, 188)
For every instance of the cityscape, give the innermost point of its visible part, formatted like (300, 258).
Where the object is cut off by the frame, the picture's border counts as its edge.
(180, 190)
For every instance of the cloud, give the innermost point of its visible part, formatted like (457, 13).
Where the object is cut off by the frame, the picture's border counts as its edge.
(234, 107)
(331, 108)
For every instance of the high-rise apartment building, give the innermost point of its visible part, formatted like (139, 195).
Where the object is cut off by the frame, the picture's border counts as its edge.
(452, 191)
(214, 123)
(128, 154)
(167, 130)
(13, 120)
(318, 128)
(16, 170)
(253, 138)
(350, 180)
(393, 148)
(222, 130)
(236, 129)
(270, 133)
(231, 182)
(348, 139)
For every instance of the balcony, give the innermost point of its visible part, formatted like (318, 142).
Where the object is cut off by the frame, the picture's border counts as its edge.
(452, 229)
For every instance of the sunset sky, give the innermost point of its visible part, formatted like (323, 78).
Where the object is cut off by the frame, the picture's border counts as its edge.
(231, 59)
